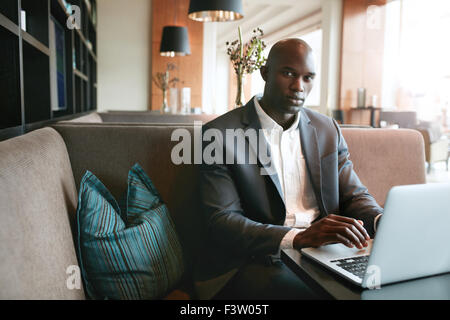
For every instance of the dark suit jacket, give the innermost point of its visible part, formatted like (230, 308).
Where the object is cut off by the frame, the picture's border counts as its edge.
(245, 211)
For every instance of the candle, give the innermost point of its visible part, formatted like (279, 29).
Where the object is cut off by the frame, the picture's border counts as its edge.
(374, 100)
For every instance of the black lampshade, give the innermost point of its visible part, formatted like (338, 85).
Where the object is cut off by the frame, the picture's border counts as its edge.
(215, 10)
(175, 42)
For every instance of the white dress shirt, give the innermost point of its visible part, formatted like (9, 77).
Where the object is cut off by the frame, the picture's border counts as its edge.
(286, 154)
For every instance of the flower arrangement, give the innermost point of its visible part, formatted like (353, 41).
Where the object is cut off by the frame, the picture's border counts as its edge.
(246, 58)
(162, 80)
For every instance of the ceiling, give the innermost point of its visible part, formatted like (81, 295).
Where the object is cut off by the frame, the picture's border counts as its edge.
(269, 15)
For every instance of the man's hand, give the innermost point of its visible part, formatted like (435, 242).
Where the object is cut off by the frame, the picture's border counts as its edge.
(333, 229)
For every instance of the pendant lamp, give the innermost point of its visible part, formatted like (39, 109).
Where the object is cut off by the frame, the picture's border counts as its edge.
(215, 10)
(174, 42)
(175, 39)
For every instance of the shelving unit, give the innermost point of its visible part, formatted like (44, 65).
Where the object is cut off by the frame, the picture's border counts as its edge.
(25, 59)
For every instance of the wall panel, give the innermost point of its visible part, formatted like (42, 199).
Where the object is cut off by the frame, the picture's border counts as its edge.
(189, 71)
(362, 51)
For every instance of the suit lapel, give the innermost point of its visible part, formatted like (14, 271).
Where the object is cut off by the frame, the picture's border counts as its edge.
(250, 120)
(310, 150)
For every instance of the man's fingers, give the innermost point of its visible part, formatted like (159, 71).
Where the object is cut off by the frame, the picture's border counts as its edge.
(357, 223)
(349, 234)
(357, 232)
(337, 238)
(342, 230)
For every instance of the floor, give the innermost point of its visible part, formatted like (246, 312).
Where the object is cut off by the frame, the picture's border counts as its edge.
(438, 173)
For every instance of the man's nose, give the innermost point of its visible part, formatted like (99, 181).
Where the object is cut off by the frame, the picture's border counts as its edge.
(298, 84)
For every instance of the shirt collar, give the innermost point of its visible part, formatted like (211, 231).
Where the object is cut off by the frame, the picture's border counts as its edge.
(267, 123)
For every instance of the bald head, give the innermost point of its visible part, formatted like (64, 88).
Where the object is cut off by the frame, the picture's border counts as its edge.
(284, 47)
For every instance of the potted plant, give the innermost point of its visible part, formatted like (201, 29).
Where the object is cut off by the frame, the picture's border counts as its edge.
(163, 81)
(246, 58)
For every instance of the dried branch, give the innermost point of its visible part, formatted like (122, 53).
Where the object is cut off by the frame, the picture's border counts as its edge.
(161, 79)
(247, 57)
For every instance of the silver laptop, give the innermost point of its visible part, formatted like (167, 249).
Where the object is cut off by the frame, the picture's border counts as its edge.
(412, 240)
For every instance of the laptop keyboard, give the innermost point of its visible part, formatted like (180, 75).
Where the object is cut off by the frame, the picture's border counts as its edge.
(354, 265)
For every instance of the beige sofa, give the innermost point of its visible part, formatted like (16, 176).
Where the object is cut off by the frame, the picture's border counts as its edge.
(40, 174)
(140, 117)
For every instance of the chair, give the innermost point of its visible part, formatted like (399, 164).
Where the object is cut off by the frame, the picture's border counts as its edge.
(436, 149)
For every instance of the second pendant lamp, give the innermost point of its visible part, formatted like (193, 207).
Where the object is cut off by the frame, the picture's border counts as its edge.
(175, 39)
(174, 42)
(215, 10)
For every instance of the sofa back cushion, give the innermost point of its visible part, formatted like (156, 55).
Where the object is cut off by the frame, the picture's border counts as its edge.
(153, 117)
(384, 158)
(37, 196)
(147, 117)
(110, 150)
(92, 117)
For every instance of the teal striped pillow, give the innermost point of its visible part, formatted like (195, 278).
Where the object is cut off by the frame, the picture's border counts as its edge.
(133, 253)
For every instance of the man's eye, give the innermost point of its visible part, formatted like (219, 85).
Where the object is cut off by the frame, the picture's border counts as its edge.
(288, 73)
(308, 78)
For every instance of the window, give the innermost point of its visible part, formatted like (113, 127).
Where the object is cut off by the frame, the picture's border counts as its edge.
(416, 62)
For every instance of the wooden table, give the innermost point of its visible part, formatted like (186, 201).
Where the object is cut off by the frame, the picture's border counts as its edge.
(332, 286)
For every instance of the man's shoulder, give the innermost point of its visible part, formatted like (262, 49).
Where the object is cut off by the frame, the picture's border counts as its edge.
(318, 119)
(317, 116)
(229, 120)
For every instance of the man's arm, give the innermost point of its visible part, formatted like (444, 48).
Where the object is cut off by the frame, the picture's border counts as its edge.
(354, 198)
(359, 211)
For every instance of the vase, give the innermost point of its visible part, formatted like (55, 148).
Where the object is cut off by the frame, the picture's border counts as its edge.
(186, 100)
(165, 106)
(173, 100)
(239, 102)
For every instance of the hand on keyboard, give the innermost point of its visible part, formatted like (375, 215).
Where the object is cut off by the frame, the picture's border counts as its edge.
(333, 229)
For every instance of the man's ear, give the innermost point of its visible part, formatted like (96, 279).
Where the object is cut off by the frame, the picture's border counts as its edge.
(263, 71)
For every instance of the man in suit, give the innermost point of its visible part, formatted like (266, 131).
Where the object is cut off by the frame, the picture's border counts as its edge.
(310, 197)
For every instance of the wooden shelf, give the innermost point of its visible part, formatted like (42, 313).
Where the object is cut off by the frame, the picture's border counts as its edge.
(80, 74)
(61, 5)
(36, 84)
(25, 81)
(83, 39)
(35, 43)
(80, 33)
(9, 9)
(37, 15)
(10, 94)
(9, 25)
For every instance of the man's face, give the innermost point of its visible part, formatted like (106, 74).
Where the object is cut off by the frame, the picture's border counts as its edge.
(289, 78)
